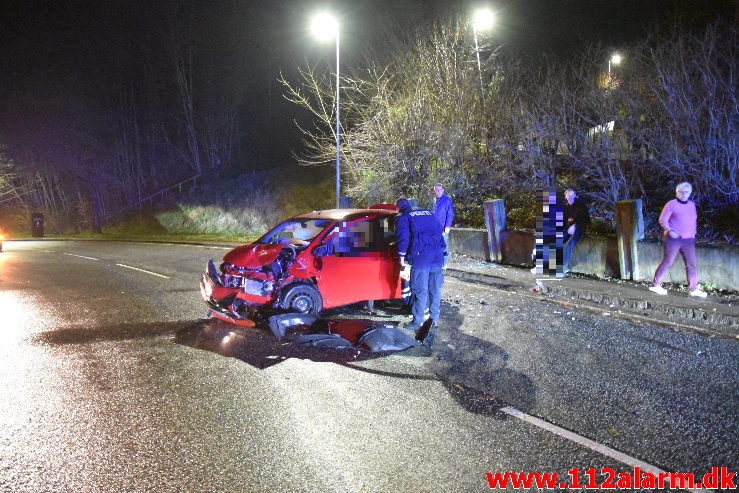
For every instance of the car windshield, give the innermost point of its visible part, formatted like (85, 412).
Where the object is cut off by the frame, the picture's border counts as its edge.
(295, 231)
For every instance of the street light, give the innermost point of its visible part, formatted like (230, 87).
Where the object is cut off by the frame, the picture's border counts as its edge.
(325, 26)
(482, 20)
(615, 60)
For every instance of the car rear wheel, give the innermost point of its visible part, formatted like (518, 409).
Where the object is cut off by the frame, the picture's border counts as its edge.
(302, 298)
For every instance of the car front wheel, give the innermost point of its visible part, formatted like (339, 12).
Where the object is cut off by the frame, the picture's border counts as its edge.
(302, 298)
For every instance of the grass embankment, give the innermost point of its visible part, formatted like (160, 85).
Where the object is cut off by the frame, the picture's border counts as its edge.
(238, 213)
(186, 224)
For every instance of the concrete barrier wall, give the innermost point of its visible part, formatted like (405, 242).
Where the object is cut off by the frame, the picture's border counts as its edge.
(517, 247)
(716, 265)
(596, 256)
(470, 242)
(599, 257)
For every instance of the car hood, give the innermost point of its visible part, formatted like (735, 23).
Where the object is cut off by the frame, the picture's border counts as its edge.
(253, 256)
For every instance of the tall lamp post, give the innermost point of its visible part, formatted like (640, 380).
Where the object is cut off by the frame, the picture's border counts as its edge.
(325, 26)
(482, 20)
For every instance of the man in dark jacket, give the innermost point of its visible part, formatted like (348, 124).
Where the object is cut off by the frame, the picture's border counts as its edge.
(577, 218)
(420, 244)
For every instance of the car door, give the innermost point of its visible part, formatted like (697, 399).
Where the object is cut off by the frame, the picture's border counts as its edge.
(361, 263)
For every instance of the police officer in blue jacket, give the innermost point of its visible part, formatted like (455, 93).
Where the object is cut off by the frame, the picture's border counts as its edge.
(420, 244)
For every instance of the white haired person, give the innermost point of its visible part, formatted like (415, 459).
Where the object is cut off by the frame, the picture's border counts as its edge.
(679, 219)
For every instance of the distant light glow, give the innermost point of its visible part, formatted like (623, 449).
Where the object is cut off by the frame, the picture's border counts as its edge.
(325, 26)
(484, 19)
(610, 82)
(602, 129)
(16, 318)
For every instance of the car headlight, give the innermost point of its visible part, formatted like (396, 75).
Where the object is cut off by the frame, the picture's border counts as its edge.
(257, 288)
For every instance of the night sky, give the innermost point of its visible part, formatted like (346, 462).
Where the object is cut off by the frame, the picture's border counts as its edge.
(50, 47)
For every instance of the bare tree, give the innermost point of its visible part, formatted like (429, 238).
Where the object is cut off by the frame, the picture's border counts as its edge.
(669, 115)
(694, 83)
(410, 122)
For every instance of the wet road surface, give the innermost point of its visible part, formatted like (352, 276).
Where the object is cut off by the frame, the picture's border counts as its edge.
(113, 381)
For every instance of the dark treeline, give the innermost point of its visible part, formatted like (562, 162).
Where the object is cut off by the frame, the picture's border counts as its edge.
(666, 113)
(104, 103)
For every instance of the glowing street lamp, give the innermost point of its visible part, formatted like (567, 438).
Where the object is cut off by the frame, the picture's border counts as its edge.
(482, 20)
(325, 26)
(615, 60)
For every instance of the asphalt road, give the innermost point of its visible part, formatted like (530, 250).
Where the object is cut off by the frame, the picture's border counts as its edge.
(113, 380)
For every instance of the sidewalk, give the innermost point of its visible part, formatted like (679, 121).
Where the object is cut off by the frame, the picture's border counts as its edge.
(714, 316)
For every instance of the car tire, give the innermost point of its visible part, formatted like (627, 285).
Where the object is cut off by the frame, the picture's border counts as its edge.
(302, 298)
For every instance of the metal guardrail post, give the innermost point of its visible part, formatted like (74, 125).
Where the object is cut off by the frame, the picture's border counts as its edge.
(629, 229)
(495, 220)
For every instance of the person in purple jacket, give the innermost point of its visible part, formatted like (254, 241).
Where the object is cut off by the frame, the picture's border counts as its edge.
(679, 219)
(444, 212)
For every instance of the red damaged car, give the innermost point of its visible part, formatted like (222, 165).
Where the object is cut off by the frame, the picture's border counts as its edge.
(308, 263)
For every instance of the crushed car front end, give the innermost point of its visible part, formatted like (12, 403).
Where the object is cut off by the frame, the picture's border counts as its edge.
(259, 275)
(233, 297)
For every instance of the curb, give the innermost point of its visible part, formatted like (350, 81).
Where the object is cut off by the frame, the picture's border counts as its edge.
(639, 305)
(724, 324)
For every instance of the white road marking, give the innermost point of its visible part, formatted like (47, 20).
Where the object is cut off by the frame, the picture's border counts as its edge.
(588, 443)
(122, 265)
(142, 270)
(80, 256)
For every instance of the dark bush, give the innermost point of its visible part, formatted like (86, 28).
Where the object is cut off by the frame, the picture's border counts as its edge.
(469, 216)
(521, 218)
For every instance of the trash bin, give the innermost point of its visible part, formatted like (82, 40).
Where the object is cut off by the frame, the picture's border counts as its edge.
(37, 225)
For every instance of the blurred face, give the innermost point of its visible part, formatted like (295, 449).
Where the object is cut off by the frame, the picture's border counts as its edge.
(682, 193)
(570, 196)
(438, 191)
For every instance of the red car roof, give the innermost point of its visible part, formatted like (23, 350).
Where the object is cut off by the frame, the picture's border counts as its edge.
(346, 214)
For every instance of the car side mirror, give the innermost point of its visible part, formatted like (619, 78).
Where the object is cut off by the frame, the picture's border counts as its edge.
(321, 251)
